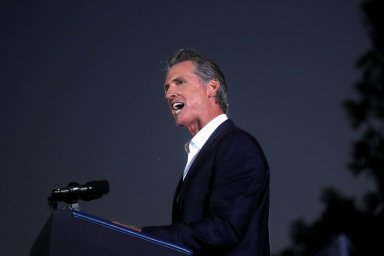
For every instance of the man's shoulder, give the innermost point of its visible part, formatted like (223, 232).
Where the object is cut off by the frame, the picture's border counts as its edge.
(229, 129)
(229, 135)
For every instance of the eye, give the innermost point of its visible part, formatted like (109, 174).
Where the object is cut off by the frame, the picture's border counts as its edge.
(179, 82)
(166, 87)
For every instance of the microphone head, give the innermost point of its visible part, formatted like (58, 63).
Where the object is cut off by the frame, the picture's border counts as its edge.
(74, 192)
(95, 189)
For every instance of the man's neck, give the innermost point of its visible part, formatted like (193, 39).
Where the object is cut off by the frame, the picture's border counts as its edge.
(195, 127)
(213, 123)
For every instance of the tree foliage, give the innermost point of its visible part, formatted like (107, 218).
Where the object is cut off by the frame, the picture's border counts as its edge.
(363, 225)
(367, 111)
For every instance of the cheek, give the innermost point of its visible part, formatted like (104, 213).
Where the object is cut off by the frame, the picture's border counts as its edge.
(197, 102)
(198, 95)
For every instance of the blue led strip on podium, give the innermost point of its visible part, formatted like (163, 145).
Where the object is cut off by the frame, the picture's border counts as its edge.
(122, 229)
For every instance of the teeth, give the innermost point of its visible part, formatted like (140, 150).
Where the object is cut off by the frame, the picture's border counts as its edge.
(177, 105)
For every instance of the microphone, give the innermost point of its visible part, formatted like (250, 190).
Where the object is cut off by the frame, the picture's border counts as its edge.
(74, 192)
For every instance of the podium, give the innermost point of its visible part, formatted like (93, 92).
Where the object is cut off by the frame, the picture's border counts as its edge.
(70, 232)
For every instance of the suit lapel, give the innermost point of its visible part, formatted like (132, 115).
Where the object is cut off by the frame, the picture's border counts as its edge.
(220, 130)
(183, 185)
(176, 199)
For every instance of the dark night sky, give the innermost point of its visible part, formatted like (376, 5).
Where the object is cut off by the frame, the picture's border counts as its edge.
(81, 99)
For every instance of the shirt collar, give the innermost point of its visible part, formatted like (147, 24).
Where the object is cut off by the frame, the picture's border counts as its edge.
(203, 135)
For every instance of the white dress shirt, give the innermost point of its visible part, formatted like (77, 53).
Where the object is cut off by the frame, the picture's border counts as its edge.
(197, 142)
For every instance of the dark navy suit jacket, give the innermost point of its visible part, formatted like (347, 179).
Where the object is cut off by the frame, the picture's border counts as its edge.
(222, 206)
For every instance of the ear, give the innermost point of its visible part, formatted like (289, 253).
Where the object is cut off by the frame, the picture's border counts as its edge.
(212, 88)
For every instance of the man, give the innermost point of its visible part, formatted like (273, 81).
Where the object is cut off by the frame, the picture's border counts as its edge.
(221, 204)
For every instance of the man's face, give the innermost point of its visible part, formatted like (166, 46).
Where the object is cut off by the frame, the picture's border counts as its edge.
(187, 96)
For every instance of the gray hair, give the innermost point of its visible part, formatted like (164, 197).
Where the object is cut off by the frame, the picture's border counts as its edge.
(206, 69)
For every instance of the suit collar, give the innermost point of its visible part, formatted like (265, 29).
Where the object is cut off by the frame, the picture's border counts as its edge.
(220, 130)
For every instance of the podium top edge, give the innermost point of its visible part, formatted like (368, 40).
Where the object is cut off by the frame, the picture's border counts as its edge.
(125, 230)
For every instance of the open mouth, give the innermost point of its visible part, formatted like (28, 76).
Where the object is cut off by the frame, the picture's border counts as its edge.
(177, 106)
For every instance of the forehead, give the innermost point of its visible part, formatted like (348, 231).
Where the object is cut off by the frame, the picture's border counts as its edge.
(185, 68)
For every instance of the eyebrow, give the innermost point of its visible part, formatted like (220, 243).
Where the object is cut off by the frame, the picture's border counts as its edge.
(176, 79)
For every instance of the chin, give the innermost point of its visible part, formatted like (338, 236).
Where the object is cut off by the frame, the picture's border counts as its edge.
(180, 123)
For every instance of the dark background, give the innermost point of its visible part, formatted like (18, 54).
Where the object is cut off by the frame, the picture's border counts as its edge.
(81, 99)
